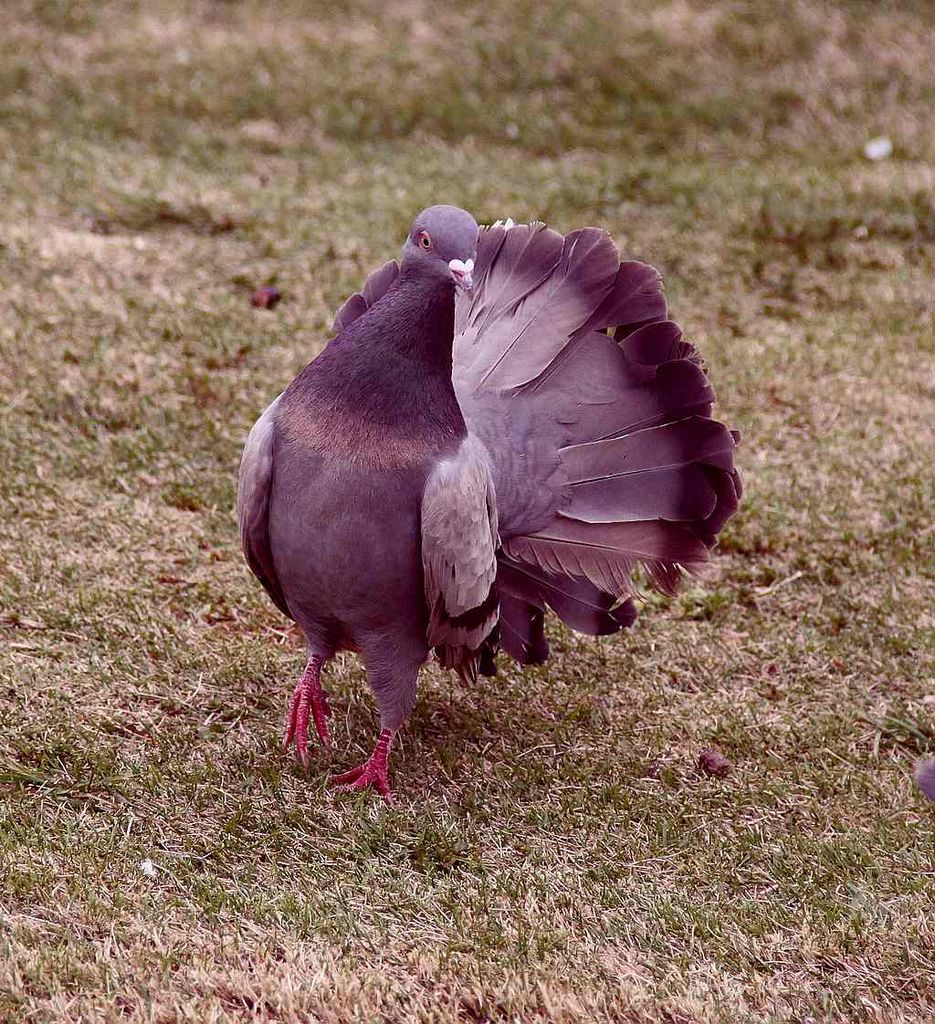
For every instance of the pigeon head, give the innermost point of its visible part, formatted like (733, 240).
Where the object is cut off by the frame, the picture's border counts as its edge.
(442, 244)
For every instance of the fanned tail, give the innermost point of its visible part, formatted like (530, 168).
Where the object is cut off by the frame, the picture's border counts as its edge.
(597, 417)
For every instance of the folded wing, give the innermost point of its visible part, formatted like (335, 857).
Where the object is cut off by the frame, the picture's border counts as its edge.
(253, 489)
(459, 542)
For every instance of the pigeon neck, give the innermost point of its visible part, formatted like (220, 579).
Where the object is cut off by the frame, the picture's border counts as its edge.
(381, 391)
(422, 311)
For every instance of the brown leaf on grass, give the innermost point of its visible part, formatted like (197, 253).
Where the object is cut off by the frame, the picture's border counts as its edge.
(265, 298)
(18, 621)
(713, 762)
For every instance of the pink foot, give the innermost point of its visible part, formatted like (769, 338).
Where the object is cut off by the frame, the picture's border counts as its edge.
(307, 698)
(373, 771)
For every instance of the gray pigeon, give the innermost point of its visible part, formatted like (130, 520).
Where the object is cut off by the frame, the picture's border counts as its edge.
(503, 423)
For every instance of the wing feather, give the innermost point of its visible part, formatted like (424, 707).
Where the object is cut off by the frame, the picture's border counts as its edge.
(459, 542)
(253, 490)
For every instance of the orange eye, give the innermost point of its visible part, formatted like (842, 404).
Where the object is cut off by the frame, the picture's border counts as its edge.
(424, 240)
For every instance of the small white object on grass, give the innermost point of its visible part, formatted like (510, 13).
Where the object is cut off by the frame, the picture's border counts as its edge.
(880, 148)
(148, 868)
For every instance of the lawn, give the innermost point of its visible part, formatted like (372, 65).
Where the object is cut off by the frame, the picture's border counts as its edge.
(555, 855)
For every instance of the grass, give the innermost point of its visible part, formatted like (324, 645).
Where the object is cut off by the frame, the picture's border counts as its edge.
(554, 855)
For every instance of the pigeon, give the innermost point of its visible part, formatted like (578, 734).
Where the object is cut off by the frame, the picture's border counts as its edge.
(505, 423)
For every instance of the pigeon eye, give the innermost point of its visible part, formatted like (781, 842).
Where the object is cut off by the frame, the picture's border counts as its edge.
(424, 240)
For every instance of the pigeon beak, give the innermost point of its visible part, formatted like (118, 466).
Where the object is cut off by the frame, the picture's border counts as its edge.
(461, 272)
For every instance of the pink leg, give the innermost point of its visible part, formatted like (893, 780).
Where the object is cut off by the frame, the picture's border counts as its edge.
(373, 771)
(308, 697)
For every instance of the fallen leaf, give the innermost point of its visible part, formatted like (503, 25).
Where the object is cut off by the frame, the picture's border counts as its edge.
(713, 762)
(265, 298)
(20, 622)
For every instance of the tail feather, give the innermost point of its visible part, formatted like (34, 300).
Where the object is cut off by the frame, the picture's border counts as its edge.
(658, 472)
(522, 630)
(635, 298)
(728, 489)
(670, 446)
(657, 343)
(605, 554)
(605, 389)
(523, 260)
(532, 298)
(577, 601)
(597, 415)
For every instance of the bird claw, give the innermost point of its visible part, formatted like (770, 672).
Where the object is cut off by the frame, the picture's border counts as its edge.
(308, 700)
(373, 772)
(365, 775)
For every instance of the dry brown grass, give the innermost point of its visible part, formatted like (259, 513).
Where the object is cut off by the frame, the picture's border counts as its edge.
(555, 855)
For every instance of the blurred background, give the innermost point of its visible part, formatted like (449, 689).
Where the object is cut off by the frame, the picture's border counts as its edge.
(556, 855)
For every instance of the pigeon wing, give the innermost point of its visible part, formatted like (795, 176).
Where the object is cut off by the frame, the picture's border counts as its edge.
(459, 543)
(253, 489)
(375, 287)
